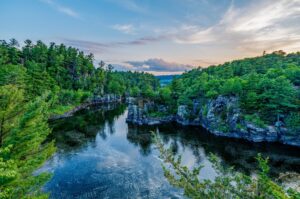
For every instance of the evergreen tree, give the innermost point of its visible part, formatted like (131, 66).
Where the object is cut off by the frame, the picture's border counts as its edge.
(24, 130)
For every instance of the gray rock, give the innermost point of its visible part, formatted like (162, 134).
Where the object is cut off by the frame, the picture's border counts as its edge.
(222, 117)
(182, 115)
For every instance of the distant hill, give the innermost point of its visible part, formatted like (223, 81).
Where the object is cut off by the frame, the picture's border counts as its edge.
(166, 79)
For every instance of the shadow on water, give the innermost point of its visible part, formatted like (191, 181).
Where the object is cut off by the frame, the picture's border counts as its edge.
(75, 131)
(100, 156)
(234, 152)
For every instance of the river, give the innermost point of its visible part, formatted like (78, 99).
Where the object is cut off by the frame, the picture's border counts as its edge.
(100, 156)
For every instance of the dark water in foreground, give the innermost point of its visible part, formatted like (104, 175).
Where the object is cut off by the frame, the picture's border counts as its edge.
(100, 156)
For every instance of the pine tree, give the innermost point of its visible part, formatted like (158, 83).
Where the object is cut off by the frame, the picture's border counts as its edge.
(24, 130)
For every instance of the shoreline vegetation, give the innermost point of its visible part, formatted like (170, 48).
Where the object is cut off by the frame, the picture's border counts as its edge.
(38, 81)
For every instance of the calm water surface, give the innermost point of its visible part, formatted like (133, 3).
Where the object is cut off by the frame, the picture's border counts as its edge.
(100, 156)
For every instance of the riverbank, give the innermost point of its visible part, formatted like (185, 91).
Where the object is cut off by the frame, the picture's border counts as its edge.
(221, 117)
(107, 99)
(216, 119)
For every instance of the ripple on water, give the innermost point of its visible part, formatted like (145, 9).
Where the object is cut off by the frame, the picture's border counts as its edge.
(119, 161)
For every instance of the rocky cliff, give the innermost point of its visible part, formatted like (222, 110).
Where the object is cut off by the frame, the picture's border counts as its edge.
(222, 117)
(138, 115)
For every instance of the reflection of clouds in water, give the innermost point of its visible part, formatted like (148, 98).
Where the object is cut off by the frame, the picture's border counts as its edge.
(108, 166)
(208, 172)
(192, 155)
(52, 164)
(114, 159)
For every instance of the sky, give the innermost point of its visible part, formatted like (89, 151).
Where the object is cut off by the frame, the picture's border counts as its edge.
(157, 36)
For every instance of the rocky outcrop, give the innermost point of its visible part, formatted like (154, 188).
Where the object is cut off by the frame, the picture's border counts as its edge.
(182, 115)
(222, 117)
(106, 99)
(137, 115)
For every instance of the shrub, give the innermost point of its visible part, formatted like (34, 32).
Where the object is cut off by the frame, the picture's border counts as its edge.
(255, 120)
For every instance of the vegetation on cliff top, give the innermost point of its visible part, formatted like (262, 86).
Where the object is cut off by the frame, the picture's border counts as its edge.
(268, 88)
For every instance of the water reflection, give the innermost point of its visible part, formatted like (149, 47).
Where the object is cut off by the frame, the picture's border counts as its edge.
(100, 156)
(234, 152)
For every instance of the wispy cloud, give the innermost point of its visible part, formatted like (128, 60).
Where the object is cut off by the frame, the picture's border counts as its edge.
(91, 46)
(63, 9)
(87, 46)
(125, 28)
(264, 25)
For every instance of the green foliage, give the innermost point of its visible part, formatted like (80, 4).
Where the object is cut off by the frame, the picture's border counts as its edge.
(23, 131)
(227, 184)
(232, 86)
(44, 68)
(71, 97)
(148, 92)
(293, 122)
(165, 94)
(38, 81)
(255, 120)
(205, 110)
(12, 74)
(156, 114)
(134, 92)
(11, 109)
(267, 86)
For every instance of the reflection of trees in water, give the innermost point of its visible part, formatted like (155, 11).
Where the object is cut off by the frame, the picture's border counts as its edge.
(102, 133)
(75, 131)
(111, 128)
(233, 152)
(107, 128)
(141, 137)
(85, 125)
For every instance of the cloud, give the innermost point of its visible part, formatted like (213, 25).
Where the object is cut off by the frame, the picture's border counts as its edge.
(98, 47)
(158, 65)
(204, 62)
(262, 25)
(124, 28)
(63, 9)
(143, 40)
(87, 46)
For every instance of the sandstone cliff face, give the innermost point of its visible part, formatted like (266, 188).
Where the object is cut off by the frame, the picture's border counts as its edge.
(222, 117)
